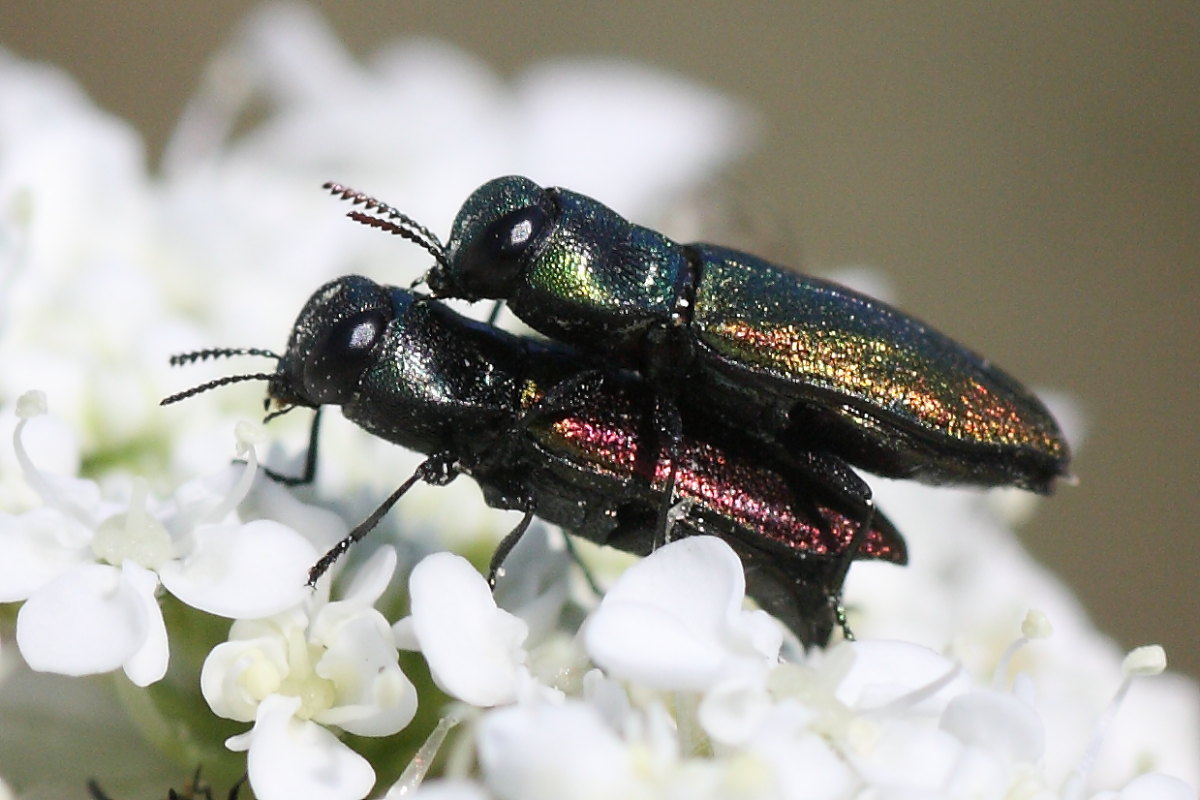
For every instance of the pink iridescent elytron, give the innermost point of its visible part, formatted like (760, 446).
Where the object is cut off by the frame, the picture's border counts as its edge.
(754, 496)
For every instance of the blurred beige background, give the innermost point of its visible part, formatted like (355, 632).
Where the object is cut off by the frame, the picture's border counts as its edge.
(1027, 173)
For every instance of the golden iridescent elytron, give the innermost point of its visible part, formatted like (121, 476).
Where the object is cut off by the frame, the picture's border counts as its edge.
(861, 351)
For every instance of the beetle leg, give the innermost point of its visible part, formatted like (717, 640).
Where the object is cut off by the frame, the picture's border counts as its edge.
(587, 573)
(94, 790)
(843, 566)
(310, 459)
(833, 474)
(568, 395)
(669, 424)
(437, 470)
(834, 479)
(839, 616)
(494, 314)
(508, 543)
(572, 393)
(237, 787)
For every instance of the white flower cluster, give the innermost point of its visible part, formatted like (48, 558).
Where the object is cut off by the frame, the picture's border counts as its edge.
(669, 688)
(666, 687)
(87, 567)
(293, 674)
(690, 698)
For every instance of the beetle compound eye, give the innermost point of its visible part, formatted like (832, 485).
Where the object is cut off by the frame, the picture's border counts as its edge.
(493, 261)
(508, 237)
(334, 366)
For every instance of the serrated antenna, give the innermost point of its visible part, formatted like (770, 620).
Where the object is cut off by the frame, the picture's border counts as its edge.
(388, 218)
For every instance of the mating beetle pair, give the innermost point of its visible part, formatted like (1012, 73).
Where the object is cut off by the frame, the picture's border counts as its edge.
(701, 374)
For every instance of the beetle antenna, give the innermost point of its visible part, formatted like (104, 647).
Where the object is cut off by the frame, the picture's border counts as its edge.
(396, 222)
(399, 230)
(204, 387)
(219, 352)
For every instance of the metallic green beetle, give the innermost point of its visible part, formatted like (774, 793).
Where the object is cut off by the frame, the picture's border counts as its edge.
(793, 360)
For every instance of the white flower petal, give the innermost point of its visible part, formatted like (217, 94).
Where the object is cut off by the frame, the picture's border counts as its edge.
(37, 546)
(473, 648)
(675, 619)
(238, 674)
(903, 753)
(979, 773)
(445, 789)
(608, 697)
(370, 581)
(886, 671)
(374, 696)
(289, 758)
(247, 571)
(403, 635)
(372, 578)
(1151, 786)
(645, 645)
(804, 764)
(193, 500)
(998, 723)
(148, 663)
(269, 500)
(731, 711)
(544, 752)
(84, 622)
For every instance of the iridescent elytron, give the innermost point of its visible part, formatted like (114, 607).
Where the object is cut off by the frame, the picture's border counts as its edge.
(790, 359)
(716, 480)
(853, 345)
